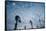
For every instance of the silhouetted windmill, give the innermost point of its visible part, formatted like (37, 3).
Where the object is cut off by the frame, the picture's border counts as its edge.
(17, 19)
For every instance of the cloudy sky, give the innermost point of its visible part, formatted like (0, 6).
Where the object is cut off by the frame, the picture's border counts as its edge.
(27, 11)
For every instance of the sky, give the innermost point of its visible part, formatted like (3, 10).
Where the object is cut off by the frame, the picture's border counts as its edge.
(27, 11)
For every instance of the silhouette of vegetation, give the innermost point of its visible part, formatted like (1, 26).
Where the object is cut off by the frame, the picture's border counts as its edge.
(25, 27)
(41, 24)
(31, 24)
(17, 19)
